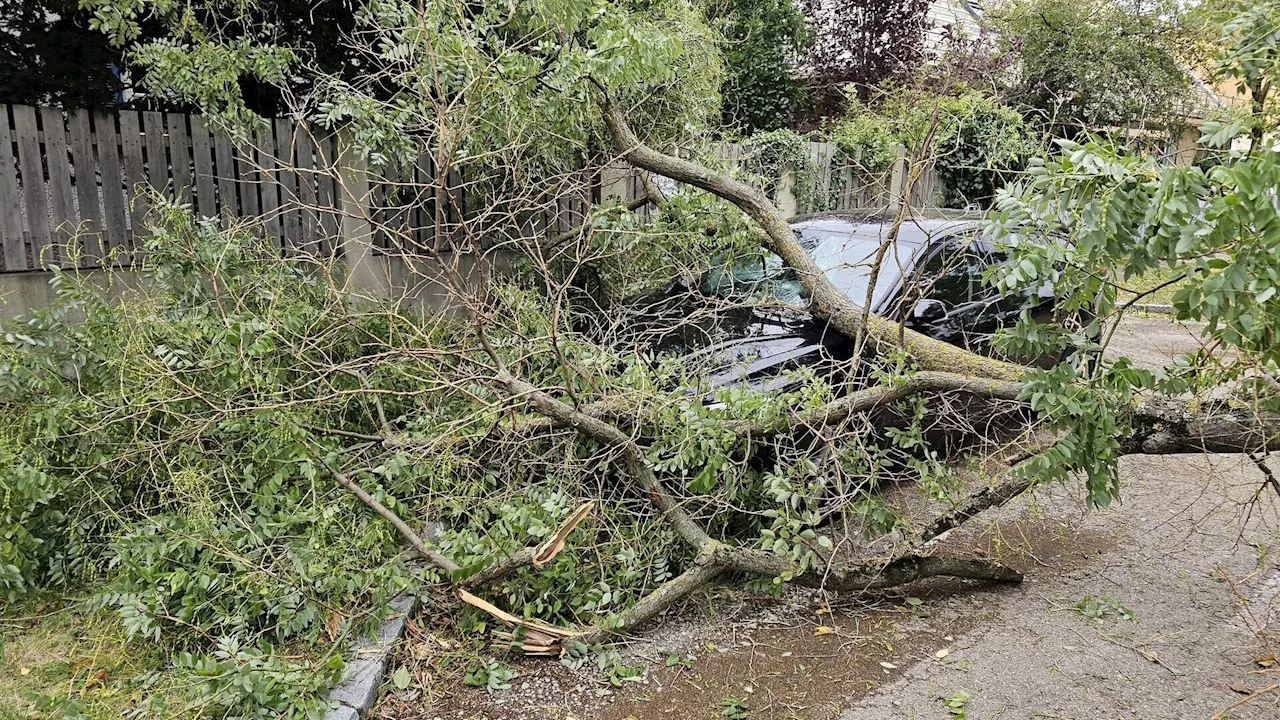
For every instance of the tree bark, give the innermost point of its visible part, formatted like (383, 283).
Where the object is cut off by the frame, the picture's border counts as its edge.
(1169, 426)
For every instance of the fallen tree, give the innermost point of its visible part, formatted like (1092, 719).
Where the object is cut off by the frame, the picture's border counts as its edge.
(244, 450)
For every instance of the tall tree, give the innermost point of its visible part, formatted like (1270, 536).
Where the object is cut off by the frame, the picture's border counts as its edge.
(50, 54)
(1091, 63)
(764, 40)
(859, 44)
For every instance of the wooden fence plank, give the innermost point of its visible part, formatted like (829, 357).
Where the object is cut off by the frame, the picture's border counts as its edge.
(179, 156)
(157, 158)
(115, 202)
(135, 179)
(228, 203)
(307, 193)
(288, 180)
(327, 195)
(422, 214)
(202, 156)
(269, 193)
(33, 189)
(247, 180)
(64, 224)
(15, 246)
(86, 174)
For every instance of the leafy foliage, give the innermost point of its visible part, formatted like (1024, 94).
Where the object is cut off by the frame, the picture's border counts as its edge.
(49, 55)
(975, 143)
(1212, 230)
(174, 450)
(762, 41)
(1252, 59)
(1090, 63)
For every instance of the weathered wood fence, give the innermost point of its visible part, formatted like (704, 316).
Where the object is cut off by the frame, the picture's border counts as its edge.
(75, 187)
(93, 168)
(831, 183)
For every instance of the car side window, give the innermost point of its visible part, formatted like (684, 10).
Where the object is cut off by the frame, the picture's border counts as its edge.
(952, 274)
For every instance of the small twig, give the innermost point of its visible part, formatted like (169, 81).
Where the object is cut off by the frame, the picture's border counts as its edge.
(1269, 477)
(1222, 714)
(414, 539)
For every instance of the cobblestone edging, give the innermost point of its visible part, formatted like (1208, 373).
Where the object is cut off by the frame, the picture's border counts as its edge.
(358, 690)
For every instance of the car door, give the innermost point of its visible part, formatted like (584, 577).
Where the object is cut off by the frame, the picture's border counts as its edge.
(946, 297)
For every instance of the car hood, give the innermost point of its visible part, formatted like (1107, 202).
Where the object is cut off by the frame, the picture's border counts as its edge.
(757, 347)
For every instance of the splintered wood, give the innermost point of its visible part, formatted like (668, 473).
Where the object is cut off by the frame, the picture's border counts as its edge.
(533, 637)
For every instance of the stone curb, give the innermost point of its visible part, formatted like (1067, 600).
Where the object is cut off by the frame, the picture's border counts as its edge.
(358, 690)
(1156, 308)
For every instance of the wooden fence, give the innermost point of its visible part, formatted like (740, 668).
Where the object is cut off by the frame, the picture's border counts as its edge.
(75, 187)
(94, 169)
(834, 184)
(831, 183)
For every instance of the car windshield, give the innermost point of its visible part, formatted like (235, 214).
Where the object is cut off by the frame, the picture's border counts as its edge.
(844, 250)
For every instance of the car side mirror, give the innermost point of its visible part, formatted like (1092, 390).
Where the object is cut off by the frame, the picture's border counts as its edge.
(928, 310)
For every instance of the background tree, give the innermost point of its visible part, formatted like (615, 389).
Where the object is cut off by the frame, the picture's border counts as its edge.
(1086, 64)
(975, 144)
(54, 51)
(1253, 64)
(763, 40)
(861, 44)
(50, 55)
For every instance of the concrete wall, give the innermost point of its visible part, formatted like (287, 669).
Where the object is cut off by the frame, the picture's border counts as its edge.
(23, 292)
(413, 284)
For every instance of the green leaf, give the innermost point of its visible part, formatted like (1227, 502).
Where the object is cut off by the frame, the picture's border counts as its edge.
(401, 678)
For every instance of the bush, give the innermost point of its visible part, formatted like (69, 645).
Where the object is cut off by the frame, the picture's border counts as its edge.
(977, 146)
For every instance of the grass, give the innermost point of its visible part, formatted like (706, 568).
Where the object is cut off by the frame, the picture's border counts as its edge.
(58, 650)
(1149, 281)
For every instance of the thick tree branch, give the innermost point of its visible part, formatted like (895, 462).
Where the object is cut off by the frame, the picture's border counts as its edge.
(638, 411)
(634, 463)
(1171, 426)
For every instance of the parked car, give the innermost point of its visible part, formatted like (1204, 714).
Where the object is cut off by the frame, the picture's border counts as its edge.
(930, 279)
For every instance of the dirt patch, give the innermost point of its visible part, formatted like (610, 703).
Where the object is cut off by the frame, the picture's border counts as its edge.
(797, 663)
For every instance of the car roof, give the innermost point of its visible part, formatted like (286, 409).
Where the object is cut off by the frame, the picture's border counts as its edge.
(914, 231)
(843, 246)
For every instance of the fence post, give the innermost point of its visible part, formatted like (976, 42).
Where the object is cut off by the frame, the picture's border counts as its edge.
(898, 181)
(787, 204)
(365, 273)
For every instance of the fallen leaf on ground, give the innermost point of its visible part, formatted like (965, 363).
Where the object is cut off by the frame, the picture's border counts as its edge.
(97, 678)
(822, 630)
(402, 678)
(1266, 661)
(942, 653)
(24, 671)
(333, 625)
(888, 666)
(1240, 688)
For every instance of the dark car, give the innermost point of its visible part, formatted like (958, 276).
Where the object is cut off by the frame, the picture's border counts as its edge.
(930, 278)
